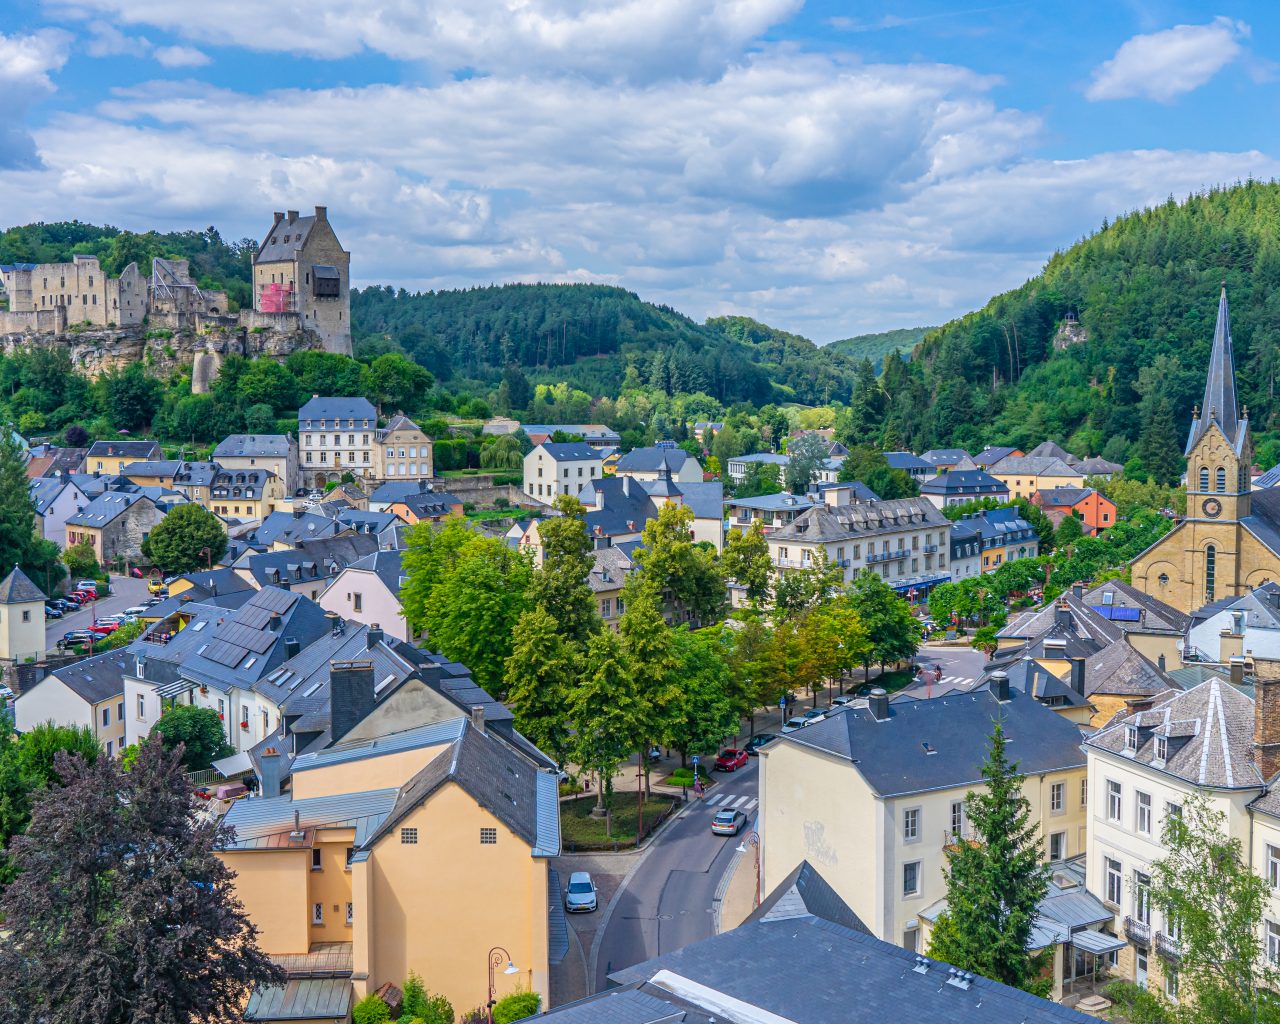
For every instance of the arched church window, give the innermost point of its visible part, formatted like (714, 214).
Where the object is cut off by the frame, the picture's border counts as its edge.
(1204, 478)
(1210, 570)
(1220, 479)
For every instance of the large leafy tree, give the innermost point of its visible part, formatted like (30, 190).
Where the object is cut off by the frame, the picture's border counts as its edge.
(129, 397)
(429, 553)
(560, 584)
(995, 881)
(746, 562)
(684, 574)
(606, 712)
(704, 711)
(394, 382)
(134, 920)
(894, 631)
(475, 605)
(199, 732)
(187, 538)
(806, 454)
(541, 673)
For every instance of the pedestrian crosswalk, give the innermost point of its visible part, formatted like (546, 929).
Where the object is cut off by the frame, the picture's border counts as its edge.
(745, 802)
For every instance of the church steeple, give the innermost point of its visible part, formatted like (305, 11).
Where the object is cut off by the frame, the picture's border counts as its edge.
(1219, 405)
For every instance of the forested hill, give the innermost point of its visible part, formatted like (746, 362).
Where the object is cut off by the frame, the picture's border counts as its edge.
(1144, 290)
(876, 346)
(597, 337)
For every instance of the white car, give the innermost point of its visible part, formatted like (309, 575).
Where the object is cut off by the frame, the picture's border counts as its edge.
(580, 896)
(136, 610)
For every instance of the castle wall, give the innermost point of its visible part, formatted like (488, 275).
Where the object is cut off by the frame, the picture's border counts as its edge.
(38, 321)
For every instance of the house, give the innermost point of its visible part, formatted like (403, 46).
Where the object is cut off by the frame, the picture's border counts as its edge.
(47, 460)
(281, 530)
(368, 591)
(404, 451)
(610, 568)
(595, 434)
(1006, 536)
(88, 694)
(277, 453)
(1094, 509)
(308, 568)
(914, 466)
(1098, 467)
(336, 436)
(403, 811)
(115, 524)
(648, 463)
(246, 493)
(943, 460)
(21, 618)
(617, 508)
(992, 454)
(764, 972)
(203, 584)
(1053, 450)
(1232, 627)
(426, 505)
(702, 428)
(875, 795)
(195, 481)
(301, 269)
(552, 469)
(110, 457)
(78, 292)
(737, 468)
(382, 497)
(1154, 629)
(772, 511)
(1229, 541)
(1026, 474)
(963, 485)
(966, 550)
(905, 540)
(56, 500)
(152, 472)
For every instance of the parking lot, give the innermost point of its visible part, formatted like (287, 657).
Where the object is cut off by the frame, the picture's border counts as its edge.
(125, 593)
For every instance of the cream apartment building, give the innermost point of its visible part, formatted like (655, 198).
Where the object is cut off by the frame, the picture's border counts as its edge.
(874, 796)
(336, 436)
(404, 451)
(555, 468)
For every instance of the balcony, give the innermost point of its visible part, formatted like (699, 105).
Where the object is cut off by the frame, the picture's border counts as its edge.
(952, 838)
(794, 563)
(1137, 932)
(930, 549)
(886, 556)
(1168, 947)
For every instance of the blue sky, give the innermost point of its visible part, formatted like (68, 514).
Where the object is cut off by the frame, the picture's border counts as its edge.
(830, 168)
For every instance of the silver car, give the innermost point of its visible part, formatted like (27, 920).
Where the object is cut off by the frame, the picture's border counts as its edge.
(580, 896)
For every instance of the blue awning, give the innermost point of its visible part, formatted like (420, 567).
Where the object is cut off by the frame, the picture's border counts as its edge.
(1096, 942)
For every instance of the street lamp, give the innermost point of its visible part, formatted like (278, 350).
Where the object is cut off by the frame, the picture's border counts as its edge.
(496, 956)
(752, 839)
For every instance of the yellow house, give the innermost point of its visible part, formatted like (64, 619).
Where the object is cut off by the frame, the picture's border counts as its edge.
(246, 493)
(874, 796)
(110, 457)
(410, 844)
(21, 618)
(1023, 475)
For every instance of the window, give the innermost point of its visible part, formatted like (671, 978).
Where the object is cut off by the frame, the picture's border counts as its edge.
(911, 825)
(1162, 748)
(1057, 797)
(26, 615)
(357, 602)
(1142, 897)
(1172, 810)
(408, 837)
(106, 717)
(1144, 813)
(1171, 983)
(1131, 738)
(1204, 478)
(350, 913)
(315, 858)
(1273, 942)
(142, 706)
(1112, 881)
(911, 879)
(1220, 479)
(1210, 568)
(957, 817)
(120, 712)
(488, 836)
(1273, 866)
(1084, 792)
(1113, 800)
(1057, 846)
(317, 913)
(604, 608)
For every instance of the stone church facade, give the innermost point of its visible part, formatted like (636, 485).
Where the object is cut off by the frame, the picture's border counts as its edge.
(1229, 541)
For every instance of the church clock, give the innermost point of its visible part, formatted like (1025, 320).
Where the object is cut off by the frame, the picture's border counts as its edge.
(1212, 507)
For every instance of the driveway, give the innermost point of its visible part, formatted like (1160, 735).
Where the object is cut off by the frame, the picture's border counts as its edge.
(125, 593)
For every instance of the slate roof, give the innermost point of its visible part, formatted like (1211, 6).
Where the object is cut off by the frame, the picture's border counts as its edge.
(857, 521)
(1261, 607)
(386, 565)
(274, 248)
(1029, 465)
(394, 490)
(609, 569)
(1121, 669)
(989, 456)
(206, 583)
(1209, 734)
(1264, 522)
(588, 431)
(1033, 679)
(430, 504)
(45, 491)
(94, 679)
(287, 528)
(1220, 406)
(252, 445)
(1064, 497)
(861, 492)
(329, 409)
(941, 743)
(650, 460)
(768, 458)
(944, 456)
(965, 481)
(569, 451)
(153, 467)
(196, 474)
(907, 461)
(309, 560)
(803, 892)
(55, 462)
(401, 422)
(1268, 479)
(1098, 466)
(124, 449)
(780, 502)
(1155, 615)
(1052, 450)
(106, 508)
(256, 478)
(1085, 622)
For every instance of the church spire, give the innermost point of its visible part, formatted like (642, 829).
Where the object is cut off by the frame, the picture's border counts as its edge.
(1219, 404)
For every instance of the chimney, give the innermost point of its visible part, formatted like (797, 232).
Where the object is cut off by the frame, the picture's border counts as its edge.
(1160, 663)
(1077, 590)
(477, 718)
(297, 511)
(350, 695)
(1000, 686)
(1062, 616)
(1237, 670)
(297, 832)
(322, 213)
(626, 486)
(878, 704)
(1077, 675)
(291, 647)
(277, 218)
(599, 499)
(331, 620)
(1231, 646)
(374, 636)
(1266, 715)
(293, 215)
(269, 773)
(273, 623)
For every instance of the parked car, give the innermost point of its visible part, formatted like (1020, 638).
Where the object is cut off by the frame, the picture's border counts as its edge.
(151, 602)
(813, 714)
(85, 595)
(104, 627)
(580, 895)
(731, 760)
(728, 822)
(137, 609)
(843, 700)
(78, 636)
(87, 585)
(50, 612)
(156, 584)
(759, 740)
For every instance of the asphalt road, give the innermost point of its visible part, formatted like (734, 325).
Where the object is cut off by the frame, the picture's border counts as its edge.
(667, 903)
(961, 668)
(125, 593)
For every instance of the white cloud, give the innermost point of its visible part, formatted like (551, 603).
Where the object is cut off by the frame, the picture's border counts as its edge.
(105, 40)
(609, 39)
(26, 63)
(1164, 65)
(181, 57)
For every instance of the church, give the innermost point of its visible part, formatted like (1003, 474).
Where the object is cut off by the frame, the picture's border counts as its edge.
(1229, 541)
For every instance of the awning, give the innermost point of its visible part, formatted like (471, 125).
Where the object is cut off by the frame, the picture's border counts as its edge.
(1096, 942)
(236, 764)
(301, 999)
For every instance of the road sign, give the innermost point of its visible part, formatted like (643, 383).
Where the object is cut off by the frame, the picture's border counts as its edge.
(782, 703)
(695, 760)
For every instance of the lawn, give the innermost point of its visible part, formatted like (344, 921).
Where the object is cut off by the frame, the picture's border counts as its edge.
(892, 681)
(582, 832)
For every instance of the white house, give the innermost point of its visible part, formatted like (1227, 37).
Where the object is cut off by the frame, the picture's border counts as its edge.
(21, 618)
(1248, 625)
(87, 693)
(368, 591)
(555, 468)
(736, 469)
(56, 500)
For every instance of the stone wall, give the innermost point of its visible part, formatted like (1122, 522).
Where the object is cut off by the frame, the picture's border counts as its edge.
(480, 490)
(37, 321)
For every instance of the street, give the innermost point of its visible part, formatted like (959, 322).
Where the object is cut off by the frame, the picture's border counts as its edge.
(125, 593)
(961, 668)
(667, 903)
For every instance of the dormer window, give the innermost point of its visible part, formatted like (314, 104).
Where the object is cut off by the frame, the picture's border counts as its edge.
(1162, 748)
(1131, 739)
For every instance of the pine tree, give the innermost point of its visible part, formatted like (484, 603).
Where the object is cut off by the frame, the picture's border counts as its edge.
(1159, 446)
(19, 542)
(995, 881)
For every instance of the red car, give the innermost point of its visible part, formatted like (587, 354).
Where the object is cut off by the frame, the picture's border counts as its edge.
(105, 627)
(731, 760)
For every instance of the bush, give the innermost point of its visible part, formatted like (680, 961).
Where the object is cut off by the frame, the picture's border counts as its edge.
(501, 503)
(516, 1006)
(370, 1010)
(421, 1005)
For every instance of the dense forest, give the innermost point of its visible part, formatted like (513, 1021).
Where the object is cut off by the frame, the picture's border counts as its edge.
(1143, 292)
(215, 264)
(876, 346)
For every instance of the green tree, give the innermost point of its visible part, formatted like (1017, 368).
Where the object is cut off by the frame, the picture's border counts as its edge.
(503, 453)
(266, 382)
(122, 637)
(541, 674)
(396, 382)
(370, 1010)
(198, 730)
(606, 713)
(703, 711)
(129, 397)
(516, 1006)
(684, 573)
(806, 453)
(81, 560)
(429, 551)
(188, 537)
(1160, 446)
(894, 631)
(421, 1005)
(475, 606)
(760, 478)
(260, 419)
(560, 584)
(1068, 532)
(19, 542)
(995, 882)
(746, 562)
